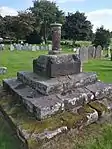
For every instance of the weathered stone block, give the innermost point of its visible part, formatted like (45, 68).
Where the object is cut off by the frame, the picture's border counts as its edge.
(56, 65)
(35, 103)
(100, 89)
(48, 86)
(99, 107)
(76, 97)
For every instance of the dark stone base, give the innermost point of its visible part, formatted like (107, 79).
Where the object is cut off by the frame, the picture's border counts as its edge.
(56, 65)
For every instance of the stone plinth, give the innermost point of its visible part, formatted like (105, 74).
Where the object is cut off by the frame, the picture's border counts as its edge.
(47, 86)
(56, 65)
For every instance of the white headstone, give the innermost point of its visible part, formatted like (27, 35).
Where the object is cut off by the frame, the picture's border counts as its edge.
(109, 52)
(11, 47)
(50, 47)
(37, 48)
(33, 48)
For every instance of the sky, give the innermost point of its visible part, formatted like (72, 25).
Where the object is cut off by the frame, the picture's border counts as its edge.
(99, 12)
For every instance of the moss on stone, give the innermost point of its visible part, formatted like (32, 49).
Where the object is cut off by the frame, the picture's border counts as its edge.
(26, 121)
(100, 107)
(88, 109)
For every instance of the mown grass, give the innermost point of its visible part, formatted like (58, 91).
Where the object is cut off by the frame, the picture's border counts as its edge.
(22, 60)
(8, 139)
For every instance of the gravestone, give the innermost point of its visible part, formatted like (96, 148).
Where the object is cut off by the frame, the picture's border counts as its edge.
(83, 54)
(42, 47)
(33, 48)
(91, 52)
(109, 52)
(98, 52)
(49, 47)
(11, 47)
(30, 47)
(1, 46)
(38, 48)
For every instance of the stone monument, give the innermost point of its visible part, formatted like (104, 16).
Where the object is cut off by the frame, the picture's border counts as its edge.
(55, 93)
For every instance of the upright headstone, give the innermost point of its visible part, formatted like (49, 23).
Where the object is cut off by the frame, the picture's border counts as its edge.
(37, 48)
(42, 47)
(33, 48)
(83, 54)
(91, 52)
(56, 38)
(98, 52)
(109, 52)
(50, 47)
(30, 47)
(11, 47)
(1, 46)
(46, 47)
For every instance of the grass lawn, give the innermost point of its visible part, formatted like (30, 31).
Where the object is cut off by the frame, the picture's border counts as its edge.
(22, 60)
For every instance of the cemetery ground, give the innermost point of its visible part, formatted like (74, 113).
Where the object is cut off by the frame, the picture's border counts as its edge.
(96, 136)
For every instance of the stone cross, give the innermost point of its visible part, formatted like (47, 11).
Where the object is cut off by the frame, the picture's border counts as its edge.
(56, 38)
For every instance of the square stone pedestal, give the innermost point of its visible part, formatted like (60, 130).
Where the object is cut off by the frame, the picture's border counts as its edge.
(56, 65)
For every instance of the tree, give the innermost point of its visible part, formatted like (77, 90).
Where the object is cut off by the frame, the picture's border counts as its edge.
(46, 12)
(2, 26)
(77, 27)
(102, 37)
(24, 24)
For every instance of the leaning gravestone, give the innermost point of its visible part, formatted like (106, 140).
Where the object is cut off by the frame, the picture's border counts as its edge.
(98, 52)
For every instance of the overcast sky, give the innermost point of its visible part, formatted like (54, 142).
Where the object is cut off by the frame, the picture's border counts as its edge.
(99, 12)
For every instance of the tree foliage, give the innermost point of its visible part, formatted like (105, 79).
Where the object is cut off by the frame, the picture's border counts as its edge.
(46, 12)
(102, 37)
(34, 23)
(77, 27)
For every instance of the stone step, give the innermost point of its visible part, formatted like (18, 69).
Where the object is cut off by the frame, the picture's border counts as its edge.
(37, 104)
(100, 90)
(48, 86)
